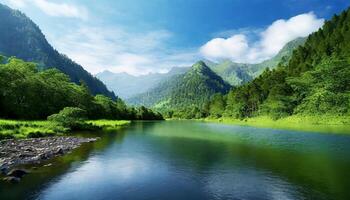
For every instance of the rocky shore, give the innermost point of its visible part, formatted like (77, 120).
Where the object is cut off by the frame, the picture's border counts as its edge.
(14, 153)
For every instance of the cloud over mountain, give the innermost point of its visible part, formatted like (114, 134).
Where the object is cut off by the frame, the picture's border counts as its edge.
(270, 41)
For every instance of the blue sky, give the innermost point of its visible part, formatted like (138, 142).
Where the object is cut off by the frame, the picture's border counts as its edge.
(142, 36)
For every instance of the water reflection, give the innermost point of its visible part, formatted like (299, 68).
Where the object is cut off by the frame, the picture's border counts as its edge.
(191, 160)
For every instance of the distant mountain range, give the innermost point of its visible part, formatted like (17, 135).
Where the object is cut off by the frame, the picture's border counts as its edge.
(145, 87)
(239, 73)
(127, 86)
(22, 38)
(191, 89)
(174, 90)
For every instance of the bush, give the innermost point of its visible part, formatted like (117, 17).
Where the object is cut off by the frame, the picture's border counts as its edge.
(70, 117)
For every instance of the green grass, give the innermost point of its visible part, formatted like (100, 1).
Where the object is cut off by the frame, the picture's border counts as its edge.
(324, 124)
(26, 129)
(29, 129)
(108, 123)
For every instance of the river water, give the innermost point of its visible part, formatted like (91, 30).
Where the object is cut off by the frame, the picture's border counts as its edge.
(194, 160)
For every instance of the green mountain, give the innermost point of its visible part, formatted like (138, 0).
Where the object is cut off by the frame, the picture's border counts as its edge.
(126, 86)
(239, 73)
(22, 38)
(283, 57)
(191, 89)
(315, 81)
(233, 73)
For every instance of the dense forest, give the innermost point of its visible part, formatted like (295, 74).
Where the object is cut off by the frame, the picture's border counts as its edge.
(184, 92)
(313, 79)
(29, 93)
(22, 38)
(316, 80)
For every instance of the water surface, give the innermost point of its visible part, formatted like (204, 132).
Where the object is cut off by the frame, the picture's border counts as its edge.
(195, 160)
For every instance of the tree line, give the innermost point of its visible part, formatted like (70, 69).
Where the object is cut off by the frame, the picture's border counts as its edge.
(29, 93)
(316, 81)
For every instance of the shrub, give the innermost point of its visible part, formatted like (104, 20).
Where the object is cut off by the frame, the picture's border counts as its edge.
(70, 117)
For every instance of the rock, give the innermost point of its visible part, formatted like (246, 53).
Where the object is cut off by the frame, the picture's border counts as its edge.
(4, 170)
(59, 151)
(18, 173)
(44, 156)
(12, 179)
(15, 152)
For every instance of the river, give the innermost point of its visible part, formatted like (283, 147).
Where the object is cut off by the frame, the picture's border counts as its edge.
(194, 160)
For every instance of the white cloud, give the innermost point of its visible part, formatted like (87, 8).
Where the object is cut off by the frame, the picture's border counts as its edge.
(271, 40)
(52, 9)
(61, 9)
(116, 50)
(17, 3)
(235, 46)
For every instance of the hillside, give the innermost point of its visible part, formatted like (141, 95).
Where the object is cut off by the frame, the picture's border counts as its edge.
(234, 73)
(239, 73)
(283, 57)
(315, 82)
(22, 38)
(191, 89)
(125, 85)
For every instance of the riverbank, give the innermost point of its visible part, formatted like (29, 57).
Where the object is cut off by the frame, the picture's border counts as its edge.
(19, 152)
(323, 124)
(10, 129)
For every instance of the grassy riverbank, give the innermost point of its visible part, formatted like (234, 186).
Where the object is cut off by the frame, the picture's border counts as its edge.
(324, 124)
(29, 129)
(109, 124)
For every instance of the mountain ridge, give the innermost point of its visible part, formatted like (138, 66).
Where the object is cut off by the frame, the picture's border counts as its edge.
(126, 85)
(22, 38)
(193, 88)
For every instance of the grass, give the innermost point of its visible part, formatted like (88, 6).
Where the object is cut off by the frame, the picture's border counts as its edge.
(325, 124)
(28, 129)
(108, 123)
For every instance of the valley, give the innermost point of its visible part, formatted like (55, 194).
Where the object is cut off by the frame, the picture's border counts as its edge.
(174, 100)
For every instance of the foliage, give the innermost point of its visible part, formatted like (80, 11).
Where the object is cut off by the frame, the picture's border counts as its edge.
(143, 113)
(26, 93)
(21, 37)
(315, 81)
(24, 129)
(69, 117)
(185, 96)
(108, 123)
(237, 74)
(312, 123)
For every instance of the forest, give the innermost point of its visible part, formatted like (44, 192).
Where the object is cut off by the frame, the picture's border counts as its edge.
(27, 93)
(316, 81)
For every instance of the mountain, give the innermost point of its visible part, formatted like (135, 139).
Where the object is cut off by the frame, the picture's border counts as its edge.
(314, 82)
(191, 89)
(22, 38)
(126, 85)
(233, 73)
(283, 57)
(239, 73)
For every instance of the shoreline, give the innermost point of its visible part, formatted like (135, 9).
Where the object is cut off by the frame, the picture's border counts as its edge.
(326, 125)
(18, 129)
(19, 152)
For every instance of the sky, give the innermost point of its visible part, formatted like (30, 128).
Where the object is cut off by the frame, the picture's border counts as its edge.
(143, 36)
